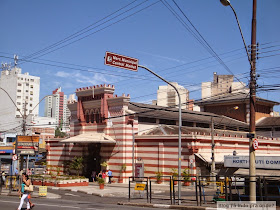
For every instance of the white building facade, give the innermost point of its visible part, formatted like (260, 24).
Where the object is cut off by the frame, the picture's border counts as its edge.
(19, 95)
(167, 96)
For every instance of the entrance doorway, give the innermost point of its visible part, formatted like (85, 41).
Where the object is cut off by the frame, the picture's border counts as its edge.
(92, 161)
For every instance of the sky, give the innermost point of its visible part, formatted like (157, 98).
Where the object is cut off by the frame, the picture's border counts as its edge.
(147, 30)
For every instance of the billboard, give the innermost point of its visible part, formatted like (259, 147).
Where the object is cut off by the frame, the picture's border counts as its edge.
(27, 145)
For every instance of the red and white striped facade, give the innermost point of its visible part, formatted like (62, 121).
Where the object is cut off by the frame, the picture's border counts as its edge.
(158, 152)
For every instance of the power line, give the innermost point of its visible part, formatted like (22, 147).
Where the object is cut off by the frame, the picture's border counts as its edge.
(200, 38)
(98, 30)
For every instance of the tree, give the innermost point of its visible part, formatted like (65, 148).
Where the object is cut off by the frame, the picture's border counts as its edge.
(77, 164)
(59, 133)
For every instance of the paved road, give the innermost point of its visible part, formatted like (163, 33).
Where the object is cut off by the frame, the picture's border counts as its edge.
(68, 200)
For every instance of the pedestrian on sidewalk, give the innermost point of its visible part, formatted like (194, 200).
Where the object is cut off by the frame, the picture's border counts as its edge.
(3, 177)
(24, 194)
(110, 175)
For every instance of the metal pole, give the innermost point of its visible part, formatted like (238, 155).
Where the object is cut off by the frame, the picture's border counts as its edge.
(27, 163)
(252, 170)
(213, 168)
(179, 129)
(133, 157)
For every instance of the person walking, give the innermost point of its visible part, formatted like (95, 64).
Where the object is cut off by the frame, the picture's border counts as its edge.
(25, 182)
(3, 177)
(110, 175)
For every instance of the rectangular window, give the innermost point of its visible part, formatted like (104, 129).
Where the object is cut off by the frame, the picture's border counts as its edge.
(18, 103)
(19, 84)
(32, 80)
(18, 97)
(147, 119)
(167, 122)
(26, 97)
(31, 99)
(11, 139)
(31, 92)
(31, 86)
(18, 91)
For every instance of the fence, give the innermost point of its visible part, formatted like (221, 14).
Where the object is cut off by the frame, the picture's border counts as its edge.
(205, 190)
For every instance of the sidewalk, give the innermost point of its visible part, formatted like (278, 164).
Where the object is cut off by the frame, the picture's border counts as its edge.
(116, 189)
(121, 190)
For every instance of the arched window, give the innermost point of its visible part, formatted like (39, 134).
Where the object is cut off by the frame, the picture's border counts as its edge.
(87, 116)
(92, 116)
(97, 116)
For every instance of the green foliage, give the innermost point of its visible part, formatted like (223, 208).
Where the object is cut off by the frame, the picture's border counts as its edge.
(174, 172)
(186, 175)
(58, 171)
(77, 164)
(123, 168)
(100, 180)
(58, 133)
(159, 175)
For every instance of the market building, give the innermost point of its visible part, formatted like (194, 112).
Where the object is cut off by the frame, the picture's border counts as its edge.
(104, 127)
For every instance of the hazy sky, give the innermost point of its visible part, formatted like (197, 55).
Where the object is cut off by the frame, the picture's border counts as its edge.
(146, 30)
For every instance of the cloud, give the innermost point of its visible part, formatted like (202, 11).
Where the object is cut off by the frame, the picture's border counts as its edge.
(86, 78)
(163, 57)
(62, 74)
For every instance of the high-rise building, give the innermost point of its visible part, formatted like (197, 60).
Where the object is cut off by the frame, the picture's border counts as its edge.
(222, 84)
(56, 107)
(19, 95)
(167, 96)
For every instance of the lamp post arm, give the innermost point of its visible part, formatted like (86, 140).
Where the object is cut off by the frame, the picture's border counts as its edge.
(37, 104)
(239, 27)
(179, 129)
(12, 101)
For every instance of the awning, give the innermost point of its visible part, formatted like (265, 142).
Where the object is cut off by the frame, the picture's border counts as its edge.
(219, 158)
(90, 138)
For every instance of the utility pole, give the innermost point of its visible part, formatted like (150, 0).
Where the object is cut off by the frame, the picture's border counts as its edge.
(252, 85)
(24, 120)
(252, 128)
(212, 151)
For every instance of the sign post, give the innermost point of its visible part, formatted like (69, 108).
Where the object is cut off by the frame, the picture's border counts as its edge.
(120, 61)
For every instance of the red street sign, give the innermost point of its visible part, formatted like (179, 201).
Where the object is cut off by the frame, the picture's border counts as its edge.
(121, 61)
(255, 144)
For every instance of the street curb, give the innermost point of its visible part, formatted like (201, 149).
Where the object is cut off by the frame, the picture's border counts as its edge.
(162, 206)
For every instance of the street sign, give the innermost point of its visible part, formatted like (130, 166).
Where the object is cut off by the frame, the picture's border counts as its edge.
(255, 144)
(14, 157)
(140, 187)
(121, 61)
(43, 191)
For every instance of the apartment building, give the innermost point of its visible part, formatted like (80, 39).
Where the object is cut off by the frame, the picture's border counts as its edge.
(19, 95)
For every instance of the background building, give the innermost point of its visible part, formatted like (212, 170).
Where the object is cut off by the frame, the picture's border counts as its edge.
(56, 107)
(19, 95)
(222, 84)
(167, 96)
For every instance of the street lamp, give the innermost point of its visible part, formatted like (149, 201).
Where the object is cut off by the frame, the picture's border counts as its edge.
(252, 127)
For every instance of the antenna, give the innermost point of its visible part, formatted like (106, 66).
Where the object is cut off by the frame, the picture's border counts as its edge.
(15, 60)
